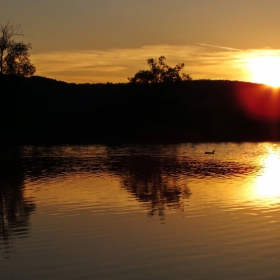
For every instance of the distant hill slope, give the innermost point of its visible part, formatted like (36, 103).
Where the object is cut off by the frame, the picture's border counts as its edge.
(38, 110)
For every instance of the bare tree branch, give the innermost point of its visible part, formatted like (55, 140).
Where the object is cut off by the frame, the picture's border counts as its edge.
(14, 57)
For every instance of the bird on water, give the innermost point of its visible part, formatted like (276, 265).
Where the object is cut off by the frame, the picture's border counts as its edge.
(210, 153)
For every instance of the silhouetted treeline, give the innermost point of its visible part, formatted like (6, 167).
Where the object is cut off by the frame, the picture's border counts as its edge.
(40, 110)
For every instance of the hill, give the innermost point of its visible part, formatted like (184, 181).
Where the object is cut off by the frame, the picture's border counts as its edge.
(38, 110)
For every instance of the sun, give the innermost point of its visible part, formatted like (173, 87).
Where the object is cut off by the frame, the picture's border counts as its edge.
(265, 69)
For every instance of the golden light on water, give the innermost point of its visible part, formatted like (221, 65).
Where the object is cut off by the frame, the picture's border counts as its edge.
(267, 186)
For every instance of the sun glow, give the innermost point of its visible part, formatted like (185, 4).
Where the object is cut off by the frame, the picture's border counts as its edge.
(265, 69)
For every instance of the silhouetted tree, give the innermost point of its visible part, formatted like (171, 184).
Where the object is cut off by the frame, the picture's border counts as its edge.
(14, 56)
(160, 72)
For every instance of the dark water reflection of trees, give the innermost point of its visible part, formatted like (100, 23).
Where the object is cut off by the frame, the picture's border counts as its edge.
(15, 209)
(151, 179)
(148, 174)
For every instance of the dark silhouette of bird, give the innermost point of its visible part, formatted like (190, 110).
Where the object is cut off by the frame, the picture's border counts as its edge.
(210, 153)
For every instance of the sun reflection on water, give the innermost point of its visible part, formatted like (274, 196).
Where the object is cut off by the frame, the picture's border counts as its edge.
(267, 185)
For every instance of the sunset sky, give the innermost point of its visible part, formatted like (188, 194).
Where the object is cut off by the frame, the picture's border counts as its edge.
(91, 41)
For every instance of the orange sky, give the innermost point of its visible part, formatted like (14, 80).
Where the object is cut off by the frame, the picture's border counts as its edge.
(108, 41)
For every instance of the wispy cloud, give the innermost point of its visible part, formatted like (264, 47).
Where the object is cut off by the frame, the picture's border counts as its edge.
(202, 61)
(219, 47)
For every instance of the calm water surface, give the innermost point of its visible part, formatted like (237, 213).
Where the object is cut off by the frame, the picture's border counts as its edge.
(140, 212)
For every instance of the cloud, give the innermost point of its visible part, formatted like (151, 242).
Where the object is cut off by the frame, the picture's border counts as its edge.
(219, 47)
(202, 61)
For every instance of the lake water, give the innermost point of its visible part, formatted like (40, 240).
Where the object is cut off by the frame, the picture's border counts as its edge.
(140, 212)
